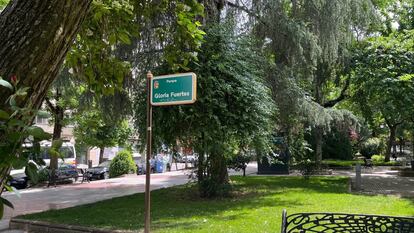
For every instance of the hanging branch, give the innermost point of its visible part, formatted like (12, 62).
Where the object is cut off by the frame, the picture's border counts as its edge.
(341, 97)
(248, 11)
(50, 105)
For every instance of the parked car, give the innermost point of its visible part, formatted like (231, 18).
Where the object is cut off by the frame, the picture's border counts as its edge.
(100, 172)
(19, 178)
(19, 181)
(67, 171)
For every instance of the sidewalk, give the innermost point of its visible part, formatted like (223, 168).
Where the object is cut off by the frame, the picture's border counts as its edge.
(68, 195)
(385, 181)
(377, 180)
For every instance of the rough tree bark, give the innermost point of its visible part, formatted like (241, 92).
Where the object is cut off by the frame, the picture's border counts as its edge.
(391, 140)
(34, 39)
(101, 153)
(58, 115)
(318, 130)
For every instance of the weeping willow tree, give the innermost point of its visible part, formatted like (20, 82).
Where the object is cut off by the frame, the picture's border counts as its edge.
(307, 42)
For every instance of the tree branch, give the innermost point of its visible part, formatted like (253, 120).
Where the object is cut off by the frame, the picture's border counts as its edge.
(341, 97)
(50, 105)
(389, 124)
(247, 10)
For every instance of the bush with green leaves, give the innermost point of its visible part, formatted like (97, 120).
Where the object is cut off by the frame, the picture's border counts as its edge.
(372, 146)
(122, 164)
(337, 145)
(378, 158)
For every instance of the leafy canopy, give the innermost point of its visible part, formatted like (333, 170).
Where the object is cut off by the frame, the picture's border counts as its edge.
(383, 77)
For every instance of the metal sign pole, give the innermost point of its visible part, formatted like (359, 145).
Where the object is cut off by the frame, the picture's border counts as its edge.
(149, 152)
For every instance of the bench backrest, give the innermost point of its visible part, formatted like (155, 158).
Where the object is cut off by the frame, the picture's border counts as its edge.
(345, 223)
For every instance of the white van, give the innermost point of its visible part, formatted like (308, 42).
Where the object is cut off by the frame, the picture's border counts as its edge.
(67, 153)
(68, 156)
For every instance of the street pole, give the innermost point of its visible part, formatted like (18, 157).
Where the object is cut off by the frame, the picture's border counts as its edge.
(149, 152)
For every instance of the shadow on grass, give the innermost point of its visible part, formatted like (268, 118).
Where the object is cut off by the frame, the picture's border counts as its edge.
(180, 207)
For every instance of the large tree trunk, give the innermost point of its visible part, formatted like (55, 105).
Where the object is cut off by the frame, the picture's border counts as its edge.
(58, 115)
(318, 94)
(57, 134)
(101, 153)
(318, 145)
(218, 170)
(34, 39)
(391, 142)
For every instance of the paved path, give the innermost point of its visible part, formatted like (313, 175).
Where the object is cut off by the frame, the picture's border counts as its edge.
(377, 180)
(63, 196)
(383, 180)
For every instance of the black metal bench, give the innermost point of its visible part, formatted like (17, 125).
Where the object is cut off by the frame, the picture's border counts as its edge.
(345, 223)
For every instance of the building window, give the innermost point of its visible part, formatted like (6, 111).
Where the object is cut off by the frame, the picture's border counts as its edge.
(42, 120)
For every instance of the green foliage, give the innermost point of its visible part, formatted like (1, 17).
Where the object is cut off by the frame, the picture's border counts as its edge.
(233, 108)
(378, 158)
(371, 147)
(3, 4)
(308, 44)
(341, 163)
(122, 164)
(92, 57)
(396, 15)
(92, 130)
(240, 160)
(382, 83)
(177, 54)
(170, 33)
(4, 202)
(337, 145)
(41, 176)
(15, 128)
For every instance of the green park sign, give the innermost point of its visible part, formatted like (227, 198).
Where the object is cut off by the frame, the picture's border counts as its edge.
(174, 89)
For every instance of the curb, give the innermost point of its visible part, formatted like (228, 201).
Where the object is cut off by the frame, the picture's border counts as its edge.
(46, 227)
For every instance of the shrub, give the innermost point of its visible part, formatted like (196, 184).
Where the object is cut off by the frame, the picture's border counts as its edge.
(337, 145)
(378, 158)
(307, 168)
(371, 147)
(122, 164)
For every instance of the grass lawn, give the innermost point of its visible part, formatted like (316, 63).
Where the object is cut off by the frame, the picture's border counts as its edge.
(256, 206)
(342, 163)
